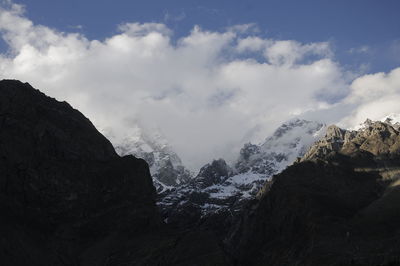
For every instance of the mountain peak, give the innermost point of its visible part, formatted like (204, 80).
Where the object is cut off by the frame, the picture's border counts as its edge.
(375, 137)
(166, 166)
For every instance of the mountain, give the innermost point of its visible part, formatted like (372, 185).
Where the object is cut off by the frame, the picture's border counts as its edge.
(166, 167)
(220, 190)
(67, 198)
(338, 205)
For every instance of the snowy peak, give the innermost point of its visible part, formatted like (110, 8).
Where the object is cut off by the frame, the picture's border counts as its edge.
(290, 134)
(220, 187)
(289, 141)
(165, 165)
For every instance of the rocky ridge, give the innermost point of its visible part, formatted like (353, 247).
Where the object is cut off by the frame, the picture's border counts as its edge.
(338, 205)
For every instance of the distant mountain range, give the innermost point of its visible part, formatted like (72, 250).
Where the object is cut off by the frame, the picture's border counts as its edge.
(310, 194)
(220, 187)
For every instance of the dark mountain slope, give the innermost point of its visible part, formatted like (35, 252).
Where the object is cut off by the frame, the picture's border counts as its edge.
(66, 197)
(338, 206)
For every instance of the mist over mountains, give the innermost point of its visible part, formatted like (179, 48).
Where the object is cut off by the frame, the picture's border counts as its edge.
(208, 92)
(207, 133)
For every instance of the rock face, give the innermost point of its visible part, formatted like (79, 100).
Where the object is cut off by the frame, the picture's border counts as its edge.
(215, 173)
(338, 206)
(67, 198)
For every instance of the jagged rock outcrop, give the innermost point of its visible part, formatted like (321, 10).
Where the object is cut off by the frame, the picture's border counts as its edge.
(338, 206)
(215, 173)
(376, 138)
(193, 205)
(67, 198)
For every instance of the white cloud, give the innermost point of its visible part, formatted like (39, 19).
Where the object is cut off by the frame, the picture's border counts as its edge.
(168, 16)
(374, 96)
(245, 28)
(253, 44)
(364, 49)
(291, 52)
(203, 92)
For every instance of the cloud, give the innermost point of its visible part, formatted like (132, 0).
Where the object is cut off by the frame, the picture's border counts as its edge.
(284, 52)
(245, 28)
(207, 93)
(364, 49)
(75, 27)
(374, 96)
(172, 16)
(253, 44)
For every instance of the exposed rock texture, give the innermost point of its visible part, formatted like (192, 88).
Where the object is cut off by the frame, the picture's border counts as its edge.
(378, 139)
(215, 173)
(66, 197)
(339, 206)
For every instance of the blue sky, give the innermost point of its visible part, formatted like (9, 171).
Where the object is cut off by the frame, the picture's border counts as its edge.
(208, 76)
(361, 31)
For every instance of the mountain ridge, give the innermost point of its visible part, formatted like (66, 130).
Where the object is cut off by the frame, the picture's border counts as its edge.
(338, 205)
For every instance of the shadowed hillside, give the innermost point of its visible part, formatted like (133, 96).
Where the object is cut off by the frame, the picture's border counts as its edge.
(338, 206)
(68, 199)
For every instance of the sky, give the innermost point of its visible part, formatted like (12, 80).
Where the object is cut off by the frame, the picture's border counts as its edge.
(207, 75)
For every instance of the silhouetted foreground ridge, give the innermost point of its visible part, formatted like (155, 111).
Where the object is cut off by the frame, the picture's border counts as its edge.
(66, 197)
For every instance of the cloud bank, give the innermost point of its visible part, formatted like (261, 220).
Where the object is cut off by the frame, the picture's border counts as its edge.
(207, 92)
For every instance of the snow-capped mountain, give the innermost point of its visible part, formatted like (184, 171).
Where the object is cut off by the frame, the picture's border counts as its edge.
(165, 165)
(288, 142)
(220, 187)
